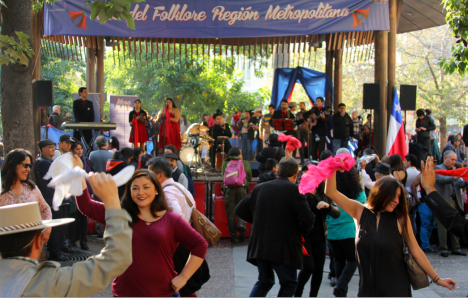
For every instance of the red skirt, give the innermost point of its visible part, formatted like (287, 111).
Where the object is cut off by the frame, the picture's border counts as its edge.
(172, 139)
(141, 136)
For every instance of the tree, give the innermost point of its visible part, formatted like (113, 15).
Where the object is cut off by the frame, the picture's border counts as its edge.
(17, 106)
(444, 94)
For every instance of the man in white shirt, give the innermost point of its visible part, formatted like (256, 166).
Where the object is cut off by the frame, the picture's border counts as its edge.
(175, 195)
(64, 145)
(410, 163)
(381, 170)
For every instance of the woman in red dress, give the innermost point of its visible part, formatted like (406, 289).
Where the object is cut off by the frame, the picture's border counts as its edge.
(169, 131)
(138, 119)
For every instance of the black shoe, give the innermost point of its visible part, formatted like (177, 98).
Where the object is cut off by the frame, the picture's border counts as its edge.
(84, 245)
(459, 253)
(429, 250)
(60, 258)
(241, 237)
(444, 254)
(333, 281)
(339, 292)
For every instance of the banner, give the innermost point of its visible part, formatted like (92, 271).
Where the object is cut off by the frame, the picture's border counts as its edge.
(120, 108)
(222, 18)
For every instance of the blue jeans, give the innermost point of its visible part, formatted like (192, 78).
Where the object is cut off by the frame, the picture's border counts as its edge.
(339, 143)
(246, 147)
(427, 224)
(266, 279)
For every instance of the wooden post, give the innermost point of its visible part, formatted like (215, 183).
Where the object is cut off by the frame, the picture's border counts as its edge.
(338, 78)
(391, 54)
(381, 72)
(100, 74)
(329, 71)
(90, 69)
(36, 75)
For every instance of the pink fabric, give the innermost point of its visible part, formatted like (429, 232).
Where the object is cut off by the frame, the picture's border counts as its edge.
(325, 169)
(28, 195)
(291, 142)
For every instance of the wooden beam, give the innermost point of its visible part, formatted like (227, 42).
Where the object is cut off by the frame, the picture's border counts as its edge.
(392, 5)
(381, 73)
(338, 78)
(100, 73)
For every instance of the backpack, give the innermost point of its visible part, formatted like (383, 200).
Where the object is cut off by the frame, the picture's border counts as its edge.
(235, 174)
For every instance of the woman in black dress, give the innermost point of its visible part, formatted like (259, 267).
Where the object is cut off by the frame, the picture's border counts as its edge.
(315, 241)
(379, 241)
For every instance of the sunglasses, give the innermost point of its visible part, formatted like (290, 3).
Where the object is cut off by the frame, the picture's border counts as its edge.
(27, 165)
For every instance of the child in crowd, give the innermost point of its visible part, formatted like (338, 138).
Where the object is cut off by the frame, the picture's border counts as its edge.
(271, 166)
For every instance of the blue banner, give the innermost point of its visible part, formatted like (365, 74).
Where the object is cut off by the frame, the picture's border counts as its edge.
(222, 18)
(120, 108)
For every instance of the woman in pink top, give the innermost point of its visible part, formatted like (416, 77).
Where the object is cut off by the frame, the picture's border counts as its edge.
(16, 186)
(156, 234)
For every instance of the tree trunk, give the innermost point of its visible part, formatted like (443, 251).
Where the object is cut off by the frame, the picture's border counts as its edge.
(17, 106)
(443, 133)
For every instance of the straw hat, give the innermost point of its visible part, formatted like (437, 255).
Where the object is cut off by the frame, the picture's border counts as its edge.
(25, 217)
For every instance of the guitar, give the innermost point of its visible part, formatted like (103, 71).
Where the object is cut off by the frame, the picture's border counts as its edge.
(313, 118)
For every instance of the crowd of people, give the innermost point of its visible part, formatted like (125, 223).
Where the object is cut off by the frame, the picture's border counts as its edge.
(361, 217)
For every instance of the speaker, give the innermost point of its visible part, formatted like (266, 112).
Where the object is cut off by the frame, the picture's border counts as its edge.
(254, 166)
(371, 96)
(408, 95)
(44, 93)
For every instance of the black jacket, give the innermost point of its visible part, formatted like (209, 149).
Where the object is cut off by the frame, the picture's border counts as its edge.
(321, 127)
(56, 121)
(465, 135)
(217, 131)
(250, 130)
(427, 123)
(83, 112)
(41, 168)
(448, 216)
(266, 153)
(342, 126)
(333, 211)
(279, 215)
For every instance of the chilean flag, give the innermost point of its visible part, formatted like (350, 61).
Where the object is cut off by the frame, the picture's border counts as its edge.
(396, 143)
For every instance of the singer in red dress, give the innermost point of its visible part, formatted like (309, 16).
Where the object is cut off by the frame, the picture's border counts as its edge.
(169, 131)
(138, 119)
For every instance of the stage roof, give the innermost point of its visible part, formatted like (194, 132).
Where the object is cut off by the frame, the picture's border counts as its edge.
(421, 14)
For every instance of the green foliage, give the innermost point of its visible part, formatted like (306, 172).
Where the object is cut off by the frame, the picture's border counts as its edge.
(457, 19)
(196, 84)
(112, 10)
(67, 76)
(15, 50)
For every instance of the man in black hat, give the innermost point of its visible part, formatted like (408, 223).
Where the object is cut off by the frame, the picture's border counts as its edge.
(41, 167)
(64, 145)
(177, 174)
(83, 111)
(381, 170)
(424, 125)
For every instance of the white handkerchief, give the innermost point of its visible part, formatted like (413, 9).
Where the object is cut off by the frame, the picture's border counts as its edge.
(367, 158)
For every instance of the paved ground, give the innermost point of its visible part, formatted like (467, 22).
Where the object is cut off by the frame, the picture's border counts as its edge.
(232, 276)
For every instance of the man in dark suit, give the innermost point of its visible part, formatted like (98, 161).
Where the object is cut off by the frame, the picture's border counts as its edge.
(450, 189)
(279, 215)
(83, 111)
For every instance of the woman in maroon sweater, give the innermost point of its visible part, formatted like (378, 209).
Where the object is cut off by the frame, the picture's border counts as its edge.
(156, 234)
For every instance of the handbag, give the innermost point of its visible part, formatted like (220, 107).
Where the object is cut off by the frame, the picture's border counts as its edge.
(201, 223)
(418, 278)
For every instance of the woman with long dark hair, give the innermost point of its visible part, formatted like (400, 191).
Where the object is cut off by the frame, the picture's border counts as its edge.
(120, 159)
(397, 168)
(169, 131)
(79, 227)
(184, 123)
(383, 222)
(315, 241)
(113, 144)
(342, 231)
(18, 188)
(157, 232)
(138, 119)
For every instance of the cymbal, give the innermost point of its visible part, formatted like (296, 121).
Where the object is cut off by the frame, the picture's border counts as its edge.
(203, 128)
(197, 128)
(207, 138)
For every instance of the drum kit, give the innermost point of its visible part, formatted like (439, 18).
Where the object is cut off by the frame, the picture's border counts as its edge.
(194, 140)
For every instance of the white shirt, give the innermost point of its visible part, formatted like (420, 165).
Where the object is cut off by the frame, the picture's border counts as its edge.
(176, 199)
(412, 173)
(58, 153)
(368, 183)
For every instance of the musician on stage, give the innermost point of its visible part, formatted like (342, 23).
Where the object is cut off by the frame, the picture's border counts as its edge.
(219, 129)
(138, 119)
(319, 128)
(283, 114)
(169, 131)
(83, 111)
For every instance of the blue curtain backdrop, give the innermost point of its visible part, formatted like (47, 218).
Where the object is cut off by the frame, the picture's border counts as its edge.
(314, 82)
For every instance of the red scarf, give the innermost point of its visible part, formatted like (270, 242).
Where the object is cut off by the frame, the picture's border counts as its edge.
(135, 128)
(463, 172)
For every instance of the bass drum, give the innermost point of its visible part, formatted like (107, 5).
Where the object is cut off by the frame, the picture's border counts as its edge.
(187, 155)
